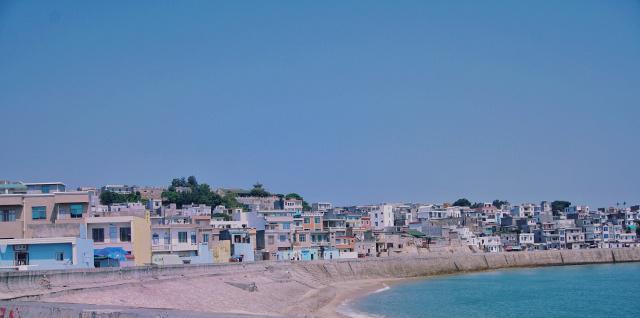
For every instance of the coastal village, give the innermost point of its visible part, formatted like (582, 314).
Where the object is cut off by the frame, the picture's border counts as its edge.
(44, 225)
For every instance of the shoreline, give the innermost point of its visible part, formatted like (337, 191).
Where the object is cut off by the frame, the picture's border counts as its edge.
(351, 291)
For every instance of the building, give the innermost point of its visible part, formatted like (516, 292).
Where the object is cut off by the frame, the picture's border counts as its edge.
(149, 193)
(118, 188)
(381, 216)
(321, 206)
(45, 187)
(46, 253)
(39, 215)
(133, 234)
(12, 187)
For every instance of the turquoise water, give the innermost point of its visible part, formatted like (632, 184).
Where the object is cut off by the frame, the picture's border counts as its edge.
(570, 291)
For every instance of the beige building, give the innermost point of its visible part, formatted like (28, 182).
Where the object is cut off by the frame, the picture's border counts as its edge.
(55, 214)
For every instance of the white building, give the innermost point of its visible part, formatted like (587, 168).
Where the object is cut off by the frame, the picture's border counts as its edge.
(381, 216)
(321, 206)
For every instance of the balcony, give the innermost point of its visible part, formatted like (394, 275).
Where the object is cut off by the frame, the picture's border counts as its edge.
(161, 247)
(184, 247)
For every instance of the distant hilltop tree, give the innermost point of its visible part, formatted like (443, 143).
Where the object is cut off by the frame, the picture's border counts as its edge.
(110, 197)
(559, 206)
(259, 191)
(295, 196)
(462, 202)
(499, 203)
(200, 193)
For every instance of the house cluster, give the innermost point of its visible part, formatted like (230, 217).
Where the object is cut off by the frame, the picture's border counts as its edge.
(45, 226)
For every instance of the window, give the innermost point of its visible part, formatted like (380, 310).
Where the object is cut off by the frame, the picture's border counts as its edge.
(7, 216)
(193, 237)
(270, 240)
(303, 237)
(125, 234)
(45, 189)
(113, 233)
(60, 256)
(317, 220)
(97, 235)
(205, 238)
(306, 220)
(39, 212)
(283, 238)
(167, 238)
(156, 239)
(182, 237)
(76, 211)
(286, 226)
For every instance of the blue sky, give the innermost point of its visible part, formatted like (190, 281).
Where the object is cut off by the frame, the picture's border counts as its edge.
(345, 101)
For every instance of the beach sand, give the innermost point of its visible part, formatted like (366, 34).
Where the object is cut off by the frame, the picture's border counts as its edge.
(213, 294)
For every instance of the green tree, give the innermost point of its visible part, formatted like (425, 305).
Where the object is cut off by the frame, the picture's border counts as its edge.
(110, 197)
(259, 191)
(499, 203)
(192, 182)
(462, 202)
(226, 217)
(199, 194)
(229, 200)
(559, 206)
(294, 196)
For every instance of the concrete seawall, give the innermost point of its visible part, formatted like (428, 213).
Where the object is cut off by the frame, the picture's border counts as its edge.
(17, 284)
(316, 275)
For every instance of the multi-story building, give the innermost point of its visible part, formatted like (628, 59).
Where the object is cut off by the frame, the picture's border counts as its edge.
(118, 188)
(45, 187)
(321, 206)
(29, 215)
(132, 234)
(381, 216)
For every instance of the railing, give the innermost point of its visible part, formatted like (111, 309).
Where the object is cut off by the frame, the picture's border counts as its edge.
(162, 247)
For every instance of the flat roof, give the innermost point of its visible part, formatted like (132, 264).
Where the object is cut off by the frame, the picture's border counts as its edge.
(111, 219)
(48, 240)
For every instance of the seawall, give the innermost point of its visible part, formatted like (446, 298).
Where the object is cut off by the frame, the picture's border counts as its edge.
(279, 277)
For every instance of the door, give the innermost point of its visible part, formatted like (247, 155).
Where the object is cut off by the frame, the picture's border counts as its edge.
(21, 258)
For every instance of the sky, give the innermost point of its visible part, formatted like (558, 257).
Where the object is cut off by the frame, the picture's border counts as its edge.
(351, 102)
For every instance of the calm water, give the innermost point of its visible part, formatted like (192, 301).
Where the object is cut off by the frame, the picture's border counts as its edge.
(569, 291)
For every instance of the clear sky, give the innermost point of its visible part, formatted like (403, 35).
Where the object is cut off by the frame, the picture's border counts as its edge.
(345, 101)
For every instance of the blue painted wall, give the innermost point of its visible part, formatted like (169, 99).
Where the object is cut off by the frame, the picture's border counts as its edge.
(245, 249)
(43, 256)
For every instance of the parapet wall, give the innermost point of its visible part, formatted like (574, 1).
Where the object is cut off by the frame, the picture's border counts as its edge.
(15, 285)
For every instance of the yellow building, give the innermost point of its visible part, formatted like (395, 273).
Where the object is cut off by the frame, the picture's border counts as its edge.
(131, 233)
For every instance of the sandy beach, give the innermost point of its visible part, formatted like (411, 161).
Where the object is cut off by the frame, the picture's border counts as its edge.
(214, 295)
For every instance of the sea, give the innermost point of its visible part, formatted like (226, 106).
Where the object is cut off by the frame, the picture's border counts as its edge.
(583, 291)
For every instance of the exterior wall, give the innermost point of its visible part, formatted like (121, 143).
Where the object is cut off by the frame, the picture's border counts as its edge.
(381, 216)
(245, 250)
(56, 230)
(205, 256)
(141, 237)
(221, 251)
(110, 241)
(11, 229)
(140, 245)
(43, 256)
(309, 221)
(53, 203)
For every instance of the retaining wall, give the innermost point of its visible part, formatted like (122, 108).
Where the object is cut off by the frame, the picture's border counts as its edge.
(18, 284)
